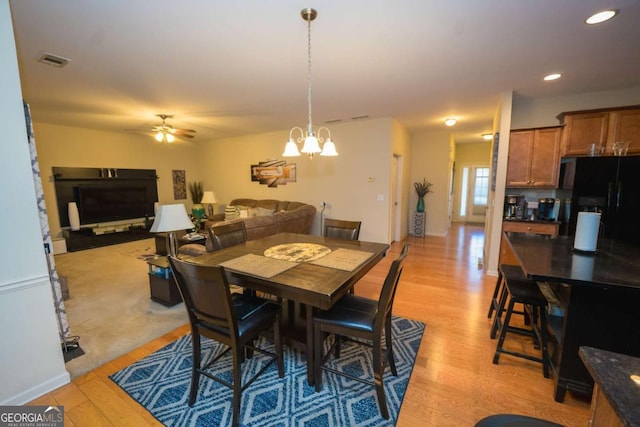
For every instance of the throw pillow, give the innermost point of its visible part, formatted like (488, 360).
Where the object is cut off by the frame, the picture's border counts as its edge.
(231, 212)
(261, 212)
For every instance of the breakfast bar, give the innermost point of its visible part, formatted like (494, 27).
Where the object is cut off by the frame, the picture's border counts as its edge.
(593, 301)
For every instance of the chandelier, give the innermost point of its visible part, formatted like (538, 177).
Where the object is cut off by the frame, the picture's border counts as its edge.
(311, 139)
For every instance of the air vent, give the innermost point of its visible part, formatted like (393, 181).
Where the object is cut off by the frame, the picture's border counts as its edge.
(360, 117)
(55, 60)
(333, 121)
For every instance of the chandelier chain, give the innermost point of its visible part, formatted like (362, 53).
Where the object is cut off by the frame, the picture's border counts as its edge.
(309, 71)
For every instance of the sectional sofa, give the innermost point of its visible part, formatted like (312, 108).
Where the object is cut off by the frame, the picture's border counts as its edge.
(261, 218)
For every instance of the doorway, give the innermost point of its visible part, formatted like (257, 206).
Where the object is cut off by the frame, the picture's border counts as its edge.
(474, 193)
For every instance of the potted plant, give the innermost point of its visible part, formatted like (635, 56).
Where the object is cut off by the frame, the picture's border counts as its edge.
(196, 190)
(422, 189)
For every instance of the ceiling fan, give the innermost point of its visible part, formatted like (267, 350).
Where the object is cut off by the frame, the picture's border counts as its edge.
(167, 133)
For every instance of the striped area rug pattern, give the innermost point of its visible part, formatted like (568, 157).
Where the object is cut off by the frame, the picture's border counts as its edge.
(160, 383)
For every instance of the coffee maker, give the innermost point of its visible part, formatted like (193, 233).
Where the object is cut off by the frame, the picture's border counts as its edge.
(546, 209)
(514, 206)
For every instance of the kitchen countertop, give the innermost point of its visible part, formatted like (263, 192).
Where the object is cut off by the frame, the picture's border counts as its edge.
(612, 371)
(552, 259)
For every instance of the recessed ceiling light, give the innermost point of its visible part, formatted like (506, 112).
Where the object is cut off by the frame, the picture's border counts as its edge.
(554, 76)
(487, 136)
(450, 121)
(599, 17)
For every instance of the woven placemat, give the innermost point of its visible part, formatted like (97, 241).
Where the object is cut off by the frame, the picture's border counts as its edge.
(258, 265)
(297, 252)
(343, 259)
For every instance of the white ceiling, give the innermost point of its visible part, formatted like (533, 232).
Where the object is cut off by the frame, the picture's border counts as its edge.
(227, 68)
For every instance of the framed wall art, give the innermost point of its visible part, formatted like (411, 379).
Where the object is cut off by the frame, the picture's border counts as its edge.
(273, 172)
(179, 184)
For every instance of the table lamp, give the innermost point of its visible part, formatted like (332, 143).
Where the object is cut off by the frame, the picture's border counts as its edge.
(209, 198)
(170, 218)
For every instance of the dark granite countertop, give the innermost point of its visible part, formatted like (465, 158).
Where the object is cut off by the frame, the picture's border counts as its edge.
(612, 371)
(535, 221)
(552, 259)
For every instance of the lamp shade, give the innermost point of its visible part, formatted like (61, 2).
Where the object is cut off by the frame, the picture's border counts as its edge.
(208, 197)
(329, 148)
(171, 218)
(291, 149)
(311, 145)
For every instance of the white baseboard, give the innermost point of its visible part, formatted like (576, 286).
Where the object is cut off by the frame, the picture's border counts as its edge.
(38, 390)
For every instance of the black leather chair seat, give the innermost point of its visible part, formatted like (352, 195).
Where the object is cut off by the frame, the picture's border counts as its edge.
(351, 312)
(510, 420)
(251, 313)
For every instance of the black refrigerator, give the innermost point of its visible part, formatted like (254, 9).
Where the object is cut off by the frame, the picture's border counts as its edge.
(611, 186)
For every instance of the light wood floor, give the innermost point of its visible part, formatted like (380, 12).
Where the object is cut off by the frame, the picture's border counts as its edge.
(454, 382)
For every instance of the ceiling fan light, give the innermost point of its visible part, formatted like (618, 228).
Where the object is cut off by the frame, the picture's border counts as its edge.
(329, 149)
(170, 138)
(159, 136)
(291, 149)
(311, 145)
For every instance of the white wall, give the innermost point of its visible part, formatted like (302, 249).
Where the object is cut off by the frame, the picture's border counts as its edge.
(528, 112)
(401, 147)
(431, 158)
(343, 182)
(31, 361)
(493, 225)
(76, 147)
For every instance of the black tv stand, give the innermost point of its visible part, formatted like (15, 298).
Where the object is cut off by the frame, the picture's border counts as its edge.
(87, 238)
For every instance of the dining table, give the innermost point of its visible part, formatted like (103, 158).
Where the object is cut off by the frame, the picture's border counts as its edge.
(594, 300)
(307, 272)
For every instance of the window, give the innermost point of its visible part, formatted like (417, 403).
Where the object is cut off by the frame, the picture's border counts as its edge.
(481, 187)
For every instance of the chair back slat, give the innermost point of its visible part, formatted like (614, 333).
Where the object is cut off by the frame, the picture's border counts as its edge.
(226, 235)
(205, 292)
(339, 229)
(388, 292)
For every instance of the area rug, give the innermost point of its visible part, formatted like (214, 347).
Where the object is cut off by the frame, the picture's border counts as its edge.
(160, 383)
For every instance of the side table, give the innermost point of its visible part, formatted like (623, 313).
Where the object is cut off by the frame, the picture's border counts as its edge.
(162, 284)
(417, 225)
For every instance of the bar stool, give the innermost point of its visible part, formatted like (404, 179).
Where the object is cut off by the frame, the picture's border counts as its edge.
(505, 273)
(496, 291)
(519, 289)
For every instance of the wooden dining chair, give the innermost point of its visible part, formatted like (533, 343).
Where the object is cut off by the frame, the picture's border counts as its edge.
(340, 229)
(361, 318)
(226, 235)
(234, 320)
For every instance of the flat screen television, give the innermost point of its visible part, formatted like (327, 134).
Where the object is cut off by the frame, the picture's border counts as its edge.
(112, 202)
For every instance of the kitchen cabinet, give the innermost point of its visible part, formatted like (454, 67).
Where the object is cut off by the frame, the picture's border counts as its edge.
(602, 127)
(534, 157)
(625, 127)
